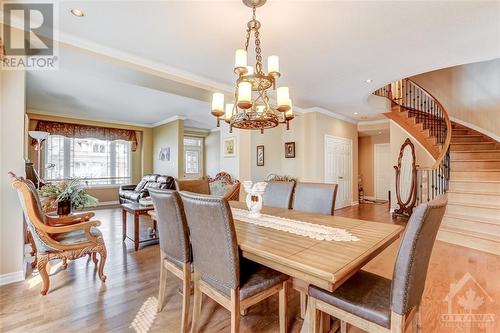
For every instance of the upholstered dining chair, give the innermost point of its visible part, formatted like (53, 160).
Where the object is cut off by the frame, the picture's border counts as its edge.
(66, 240)
(376, 304)
(200, 186)
(219, 271)
(175, 249)
(315, 198)
(278, 194)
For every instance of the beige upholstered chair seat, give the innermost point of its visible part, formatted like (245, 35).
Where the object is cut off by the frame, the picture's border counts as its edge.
(365, 295)
(255, 278)
(76, 236)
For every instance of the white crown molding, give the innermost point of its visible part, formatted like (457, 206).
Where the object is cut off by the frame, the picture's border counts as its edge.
(330, 114)
(65, 115)
(216, 129)
(11, 277)
(168, 120)
(476, 128)
(373, 122)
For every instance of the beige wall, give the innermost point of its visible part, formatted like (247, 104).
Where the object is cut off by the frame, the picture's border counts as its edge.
(423, 159)
(212, 154)
(366, 160)
(307, 131)
(141, 159)
(169, 135)
(470, 93)
(12, 146)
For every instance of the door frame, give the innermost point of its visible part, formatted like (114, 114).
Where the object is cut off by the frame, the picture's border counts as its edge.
(351, 163)
(375, 169)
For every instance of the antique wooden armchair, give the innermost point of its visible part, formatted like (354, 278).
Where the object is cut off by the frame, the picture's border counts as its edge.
(62, 238)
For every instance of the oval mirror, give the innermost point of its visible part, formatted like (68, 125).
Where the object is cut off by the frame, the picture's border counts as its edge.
(406, 174)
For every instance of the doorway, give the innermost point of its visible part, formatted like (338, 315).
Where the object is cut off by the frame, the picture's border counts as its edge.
(382, 170)
(193, 157)
(338, 168)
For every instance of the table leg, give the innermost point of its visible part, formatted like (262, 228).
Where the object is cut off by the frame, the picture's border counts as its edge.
(124, 224)
(136, 231)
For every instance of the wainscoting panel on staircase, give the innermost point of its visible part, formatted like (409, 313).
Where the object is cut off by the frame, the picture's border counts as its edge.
(467, 167)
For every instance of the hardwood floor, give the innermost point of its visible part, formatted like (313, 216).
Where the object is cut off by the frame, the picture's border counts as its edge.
(78, 302)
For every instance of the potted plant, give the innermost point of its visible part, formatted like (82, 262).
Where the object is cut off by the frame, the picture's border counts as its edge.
(66, 195)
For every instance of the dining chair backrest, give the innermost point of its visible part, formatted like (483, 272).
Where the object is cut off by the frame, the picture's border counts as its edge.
(200, 186)
(278, 194)
(172, 225)
(315, 198)
(412, 261)
(213, 238)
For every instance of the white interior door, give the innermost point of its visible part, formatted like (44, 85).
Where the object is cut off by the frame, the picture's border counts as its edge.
(193, 157)
(338, 168)
(382, 170)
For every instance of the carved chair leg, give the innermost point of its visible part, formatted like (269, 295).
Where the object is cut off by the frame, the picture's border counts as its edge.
(103, 253)
(64, 263)
(42, 270)
(94, 258)
(34, 263)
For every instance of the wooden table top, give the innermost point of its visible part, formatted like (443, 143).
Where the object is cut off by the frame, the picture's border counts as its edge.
(326, 264)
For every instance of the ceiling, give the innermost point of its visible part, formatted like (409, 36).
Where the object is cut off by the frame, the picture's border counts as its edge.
(145, 61)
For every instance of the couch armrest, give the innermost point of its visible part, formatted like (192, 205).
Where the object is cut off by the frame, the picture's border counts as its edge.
(127, 187)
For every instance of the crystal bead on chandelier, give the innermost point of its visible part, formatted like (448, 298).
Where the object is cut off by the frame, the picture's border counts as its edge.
(251, 108)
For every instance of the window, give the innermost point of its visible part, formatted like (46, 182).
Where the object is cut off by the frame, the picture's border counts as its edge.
(193, 167)
(97, 162)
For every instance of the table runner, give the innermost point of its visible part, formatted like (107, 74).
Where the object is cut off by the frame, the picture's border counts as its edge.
(311, 230)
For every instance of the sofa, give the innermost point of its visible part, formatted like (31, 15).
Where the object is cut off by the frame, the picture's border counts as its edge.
(133, 193)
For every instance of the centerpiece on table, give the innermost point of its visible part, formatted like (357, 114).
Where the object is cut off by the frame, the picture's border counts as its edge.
(254, 197)
(66, 195)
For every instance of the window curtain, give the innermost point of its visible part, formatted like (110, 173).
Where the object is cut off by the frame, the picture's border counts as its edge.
(87, 132)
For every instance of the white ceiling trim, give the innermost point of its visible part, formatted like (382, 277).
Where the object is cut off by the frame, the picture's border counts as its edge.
(330, 114)
(168, 120)
(373, 122)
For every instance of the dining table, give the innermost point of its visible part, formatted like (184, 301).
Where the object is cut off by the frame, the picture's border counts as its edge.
(309, 261)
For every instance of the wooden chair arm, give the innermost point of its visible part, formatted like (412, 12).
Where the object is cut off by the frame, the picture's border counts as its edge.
(70, 219)
(70, 227)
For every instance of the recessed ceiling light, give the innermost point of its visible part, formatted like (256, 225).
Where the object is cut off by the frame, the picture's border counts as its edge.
(379, 132)
(368, 80)
(77, 12)
(355, 113)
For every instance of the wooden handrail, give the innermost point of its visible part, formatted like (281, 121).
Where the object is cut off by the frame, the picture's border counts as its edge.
(447, 141)
(387, 93)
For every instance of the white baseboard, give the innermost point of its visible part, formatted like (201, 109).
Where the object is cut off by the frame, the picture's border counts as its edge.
(11, 277)
(369, 197)
(354, 203)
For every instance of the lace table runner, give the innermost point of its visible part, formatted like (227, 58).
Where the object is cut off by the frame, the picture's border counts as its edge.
(311, 230)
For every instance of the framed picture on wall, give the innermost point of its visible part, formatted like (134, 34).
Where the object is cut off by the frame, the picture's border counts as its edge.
(289, 149)
(260, 155)
(164, 154)
(229, 147)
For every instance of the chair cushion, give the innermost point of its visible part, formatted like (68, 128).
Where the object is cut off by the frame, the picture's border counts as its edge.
(152, 185)
(141, 185)
(76, 236)
(219, 188)
(365, 295)
(255, 278)
(150, 178)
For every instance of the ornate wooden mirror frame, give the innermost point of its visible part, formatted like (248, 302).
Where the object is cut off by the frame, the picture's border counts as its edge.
(406, 207)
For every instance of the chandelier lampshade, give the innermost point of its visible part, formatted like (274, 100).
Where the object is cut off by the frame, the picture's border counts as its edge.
(252, 107)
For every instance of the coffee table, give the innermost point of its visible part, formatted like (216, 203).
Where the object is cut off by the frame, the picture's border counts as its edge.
(136, 210)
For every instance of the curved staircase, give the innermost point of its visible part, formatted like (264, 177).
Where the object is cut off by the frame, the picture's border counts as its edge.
(467, 167)
(472, 218)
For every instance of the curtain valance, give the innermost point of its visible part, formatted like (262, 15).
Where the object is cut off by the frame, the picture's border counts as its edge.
(87, 132)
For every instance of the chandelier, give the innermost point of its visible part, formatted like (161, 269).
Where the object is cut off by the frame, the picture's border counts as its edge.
(251, 107)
